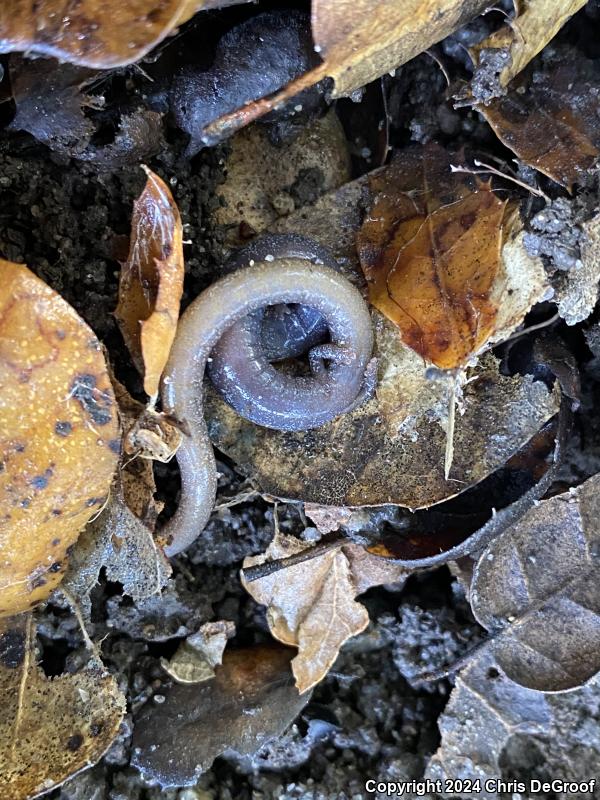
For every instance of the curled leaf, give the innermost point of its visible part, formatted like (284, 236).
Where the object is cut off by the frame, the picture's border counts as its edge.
(151, 282)
(59, 436)
(49, 729)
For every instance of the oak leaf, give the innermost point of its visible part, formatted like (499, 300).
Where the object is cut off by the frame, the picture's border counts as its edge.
(151, 282)
(311, 605)
(95, 33)
(59, 435)
(50, 729)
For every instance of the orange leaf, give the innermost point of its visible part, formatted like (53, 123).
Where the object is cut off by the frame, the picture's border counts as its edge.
(59, 435)
(430, 249)
(96, 33)
(151, 282)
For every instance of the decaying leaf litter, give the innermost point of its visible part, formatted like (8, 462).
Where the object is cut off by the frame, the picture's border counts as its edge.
(455, 232)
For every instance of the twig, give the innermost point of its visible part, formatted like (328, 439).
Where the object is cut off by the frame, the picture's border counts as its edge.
(386, 112)
(241, 497)
(489, 168)
(539, 326)
(432, 55)
(259, 571)
(554, 318)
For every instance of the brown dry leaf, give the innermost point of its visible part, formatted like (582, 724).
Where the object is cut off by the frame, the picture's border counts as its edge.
(53, 728)
(195, 659)
(485, 711)
(311, 605)
(360, 40)
(151, 281)
(152, 436)
(136, 474)
(430, 249)
(59, 435)
(250, 701)
(549, 117)
(95, 33)
(537, 22)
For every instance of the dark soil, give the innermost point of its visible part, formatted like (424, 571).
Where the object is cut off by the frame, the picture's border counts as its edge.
(68, 220)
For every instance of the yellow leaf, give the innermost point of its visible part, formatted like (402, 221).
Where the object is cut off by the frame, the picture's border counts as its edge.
(430, 249)
(49, 728)
(95, 33)
(59, 435)
(360, 40)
